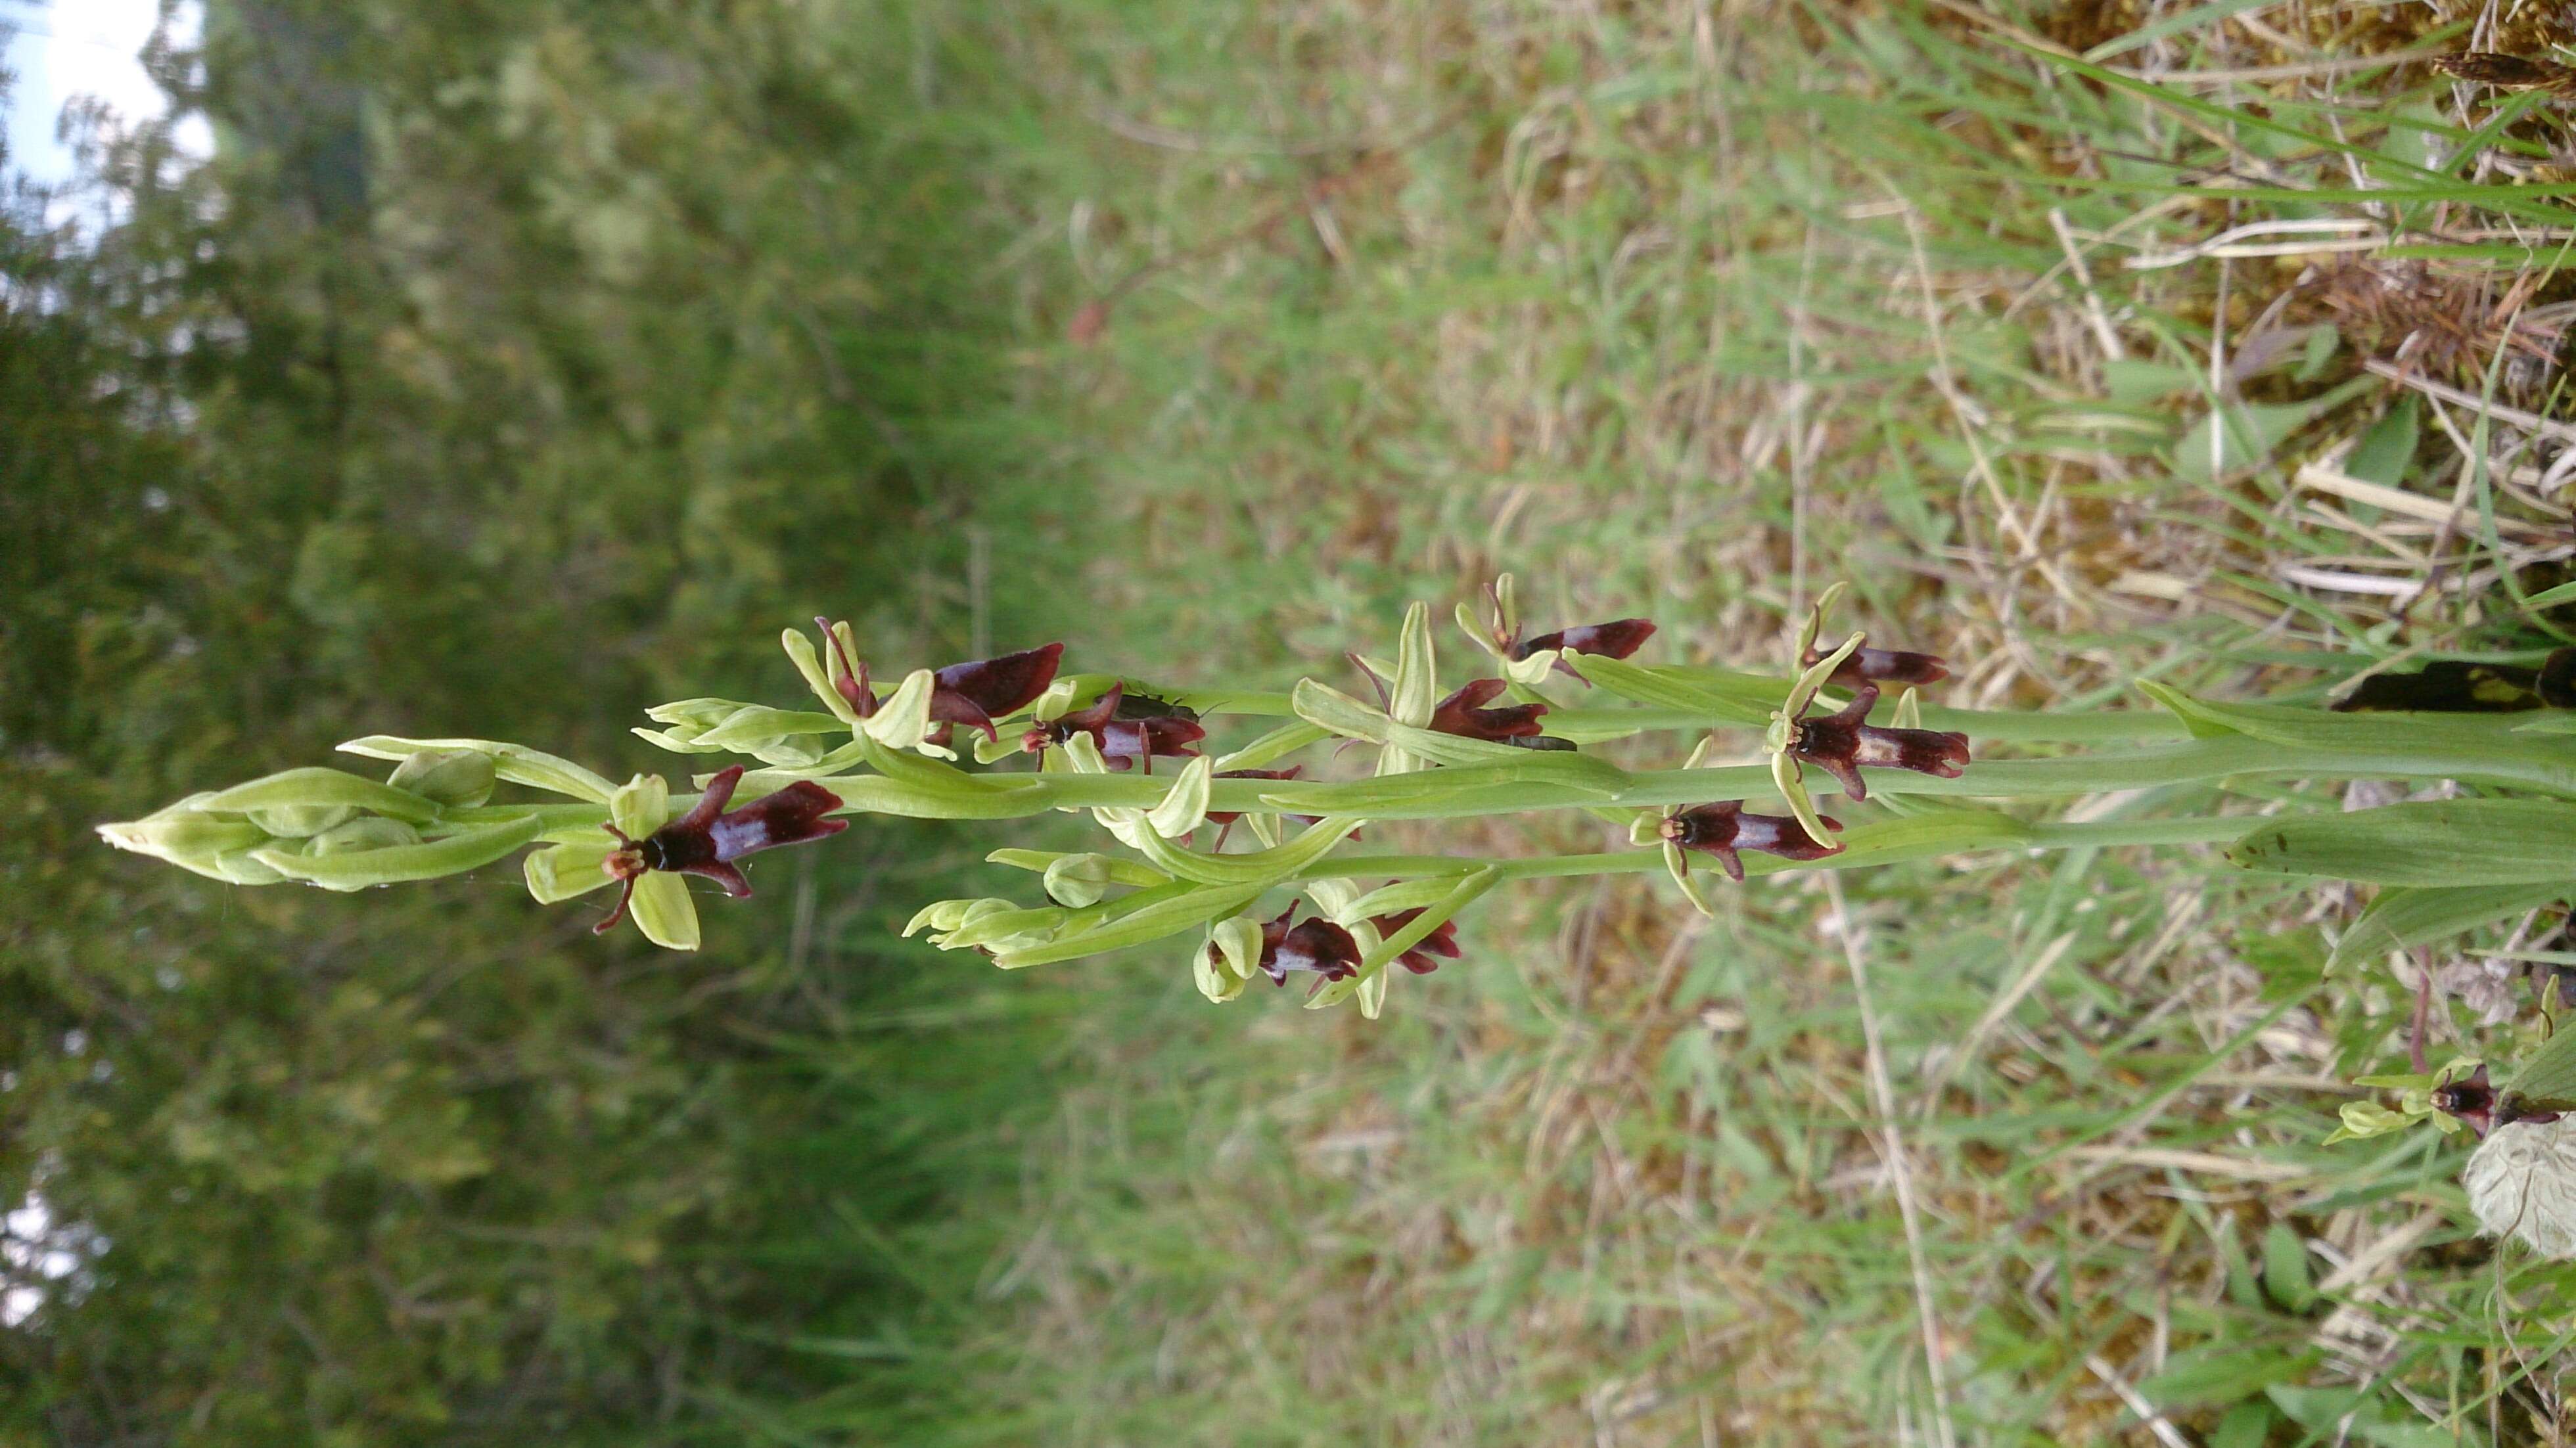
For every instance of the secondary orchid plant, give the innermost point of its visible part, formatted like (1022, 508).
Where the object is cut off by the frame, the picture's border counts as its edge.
(1523, 736)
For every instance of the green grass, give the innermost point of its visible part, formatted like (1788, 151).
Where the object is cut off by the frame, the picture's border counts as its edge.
(1633, 302)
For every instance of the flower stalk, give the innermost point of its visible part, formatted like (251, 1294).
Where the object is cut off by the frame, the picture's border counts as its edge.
(1170, 771)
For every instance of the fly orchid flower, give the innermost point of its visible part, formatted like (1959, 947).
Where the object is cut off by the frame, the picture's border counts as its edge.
(1442, 943)
(1526, 661)
(2474, 1102)
(974, 693)
(709, 838)
(1841, 743)
(1865, 665)
(1314, 946)
(1127, 730)
(1720, 830)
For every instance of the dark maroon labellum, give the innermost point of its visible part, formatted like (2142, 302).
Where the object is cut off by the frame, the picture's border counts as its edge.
(705, 841)
(1122, 740)
(1616, 639)
(1462, 714)
(972, 693)
(1841, 743)
(1880, 666)
(1441, 943)
(1720, 830)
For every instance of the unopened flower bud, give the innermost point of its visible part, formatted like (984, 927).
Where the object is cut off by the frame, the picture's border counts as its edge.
(1079, 880)
(185, 837)
(302, 821)
(361, 835)
(455, 778)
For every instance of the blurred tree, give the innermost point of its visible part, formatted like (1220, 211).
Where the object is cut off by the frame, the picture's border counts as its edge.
(540, 369)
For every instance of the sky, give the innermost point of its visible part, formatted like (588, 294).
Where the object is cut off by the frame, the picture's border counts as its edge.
(67, 48)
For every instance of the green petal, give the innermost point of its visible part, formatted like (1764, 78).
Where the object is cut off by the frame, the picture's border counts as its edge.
(664, 912)
(561, 872)
(640, 806)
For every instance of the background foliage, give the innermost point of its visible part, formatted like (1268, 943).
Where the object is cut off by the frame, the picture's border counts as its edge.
(514, 367)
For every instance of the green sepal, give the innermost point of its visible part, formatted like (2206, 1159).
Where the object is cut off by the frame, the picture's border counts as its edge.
(1677, 865)
(1417, 686)
(801, 653)
(1184, 807)
(903, 720)
(661, 908)
(1790, 780)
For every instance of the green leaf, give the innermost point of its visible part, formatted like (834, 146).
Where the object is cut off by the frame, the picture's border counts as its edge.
(2246, 1425)
(2384, 453)
(429, 861)
(2220, 1373)
(2253, 431)
(2550, 597)
(2403, 918)
(1640, 685)
(1260, 867)
(1278, 744)
(515, 763)
(2438, 842)
(2285, 1269)
(317, 786)
(1461, 893)
(1138, 919)
(2550, 1073)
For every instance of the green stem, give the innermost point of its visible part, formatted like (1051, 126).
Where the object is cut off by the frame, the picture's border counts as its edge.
(2198, 761)
(2086, 726)
(1883, 844)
